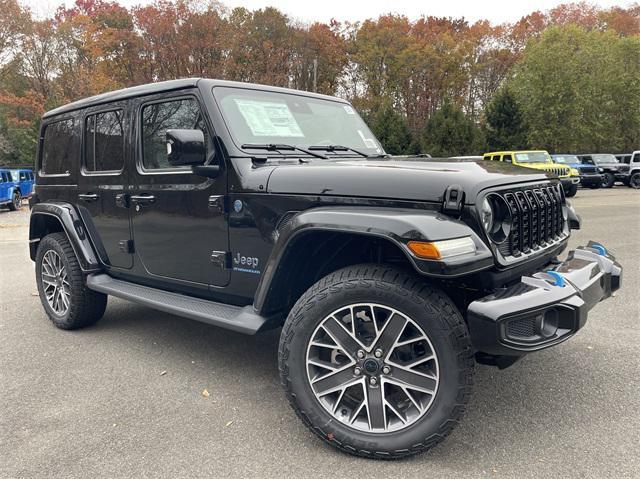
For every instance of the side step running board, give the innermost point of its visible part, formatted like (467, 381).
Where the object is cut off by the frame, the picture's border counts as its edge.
(237, 318)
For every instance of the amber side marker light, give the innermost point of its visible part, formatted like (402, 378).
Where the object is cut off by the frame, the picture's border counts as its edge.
(442, 249)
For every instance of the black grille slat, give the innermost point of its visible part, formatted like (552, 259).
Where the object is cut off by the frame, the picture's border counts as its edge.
(536, 219)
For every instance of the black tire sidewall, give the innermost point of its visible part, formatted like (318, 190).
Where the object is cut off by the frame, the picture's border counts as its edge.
(415, 307)
(608, 180)
(634, 180)
(50, 243)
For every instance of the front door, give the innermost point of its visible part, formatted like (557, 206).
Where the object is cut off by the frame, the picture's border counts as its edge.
(178, 227)
(102, 185)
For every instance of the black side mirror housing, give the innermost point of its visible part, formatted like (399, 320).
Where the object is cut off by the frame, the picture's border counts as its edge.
(186, 147)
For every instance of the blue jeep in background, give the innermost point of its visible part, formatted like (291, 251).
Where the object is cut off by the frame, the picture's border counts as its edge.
(9, 191)
(26, 182)
(590, 175)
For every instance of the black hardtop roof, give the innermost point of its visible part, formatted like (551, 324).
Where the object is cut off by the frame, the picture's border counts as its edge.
(170, 85)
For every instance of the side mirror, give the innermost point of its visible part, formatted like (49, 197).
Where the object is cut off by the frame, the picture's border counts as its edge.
(185, 147)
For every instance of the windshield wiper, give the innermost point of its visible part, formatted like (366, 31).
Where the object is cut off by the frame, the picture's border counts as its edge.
(334, 148)
(280, 147)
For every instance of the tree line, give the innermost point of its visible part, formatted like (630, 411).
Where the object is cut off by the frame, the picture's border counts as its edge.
(567, 79)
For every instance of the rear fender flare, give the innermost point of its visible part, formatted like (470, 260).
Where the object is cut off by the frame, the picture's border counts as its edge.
(71, 224)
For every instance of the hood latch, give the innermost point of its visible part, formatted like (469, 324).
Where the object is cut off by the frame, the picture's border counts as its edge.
(453, 200)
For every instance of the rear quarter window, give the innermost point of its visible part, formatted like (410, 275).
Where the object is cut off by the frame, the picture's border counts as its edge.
(60, 148)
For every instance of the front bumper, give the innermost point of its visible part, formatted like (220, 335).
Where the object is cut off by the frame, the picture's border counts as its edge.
(570, 181)
(591, 179)
(546, 308)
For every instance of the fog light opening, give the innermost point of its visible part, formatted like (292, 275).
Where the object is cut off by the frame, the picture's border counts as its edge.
(548, 323)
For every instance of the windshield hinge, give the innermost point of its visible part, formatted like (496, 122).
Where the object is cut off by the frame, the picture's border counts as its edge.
(453, 200)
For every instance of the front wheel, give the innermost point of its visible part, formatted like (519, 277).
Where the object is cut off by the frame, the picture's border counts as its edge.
(608, 180)
(571, 192)
(634, 181)
(16, 201)
(376, 362)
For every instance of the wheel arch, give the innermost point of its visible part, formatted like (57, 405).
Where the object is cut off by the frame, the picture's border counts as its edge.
(317, 242)
(47, 218)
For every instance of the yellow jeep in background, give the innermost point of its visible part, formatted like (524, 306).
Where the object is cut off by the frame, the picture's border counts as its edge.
(540, 160)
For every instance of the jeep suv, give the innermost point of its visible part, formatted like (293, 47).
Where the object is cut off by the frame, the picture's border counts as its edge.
(589, 174)
(612, 170)
(9, 191)
(251, 207)
(540, 160)
(633, 160)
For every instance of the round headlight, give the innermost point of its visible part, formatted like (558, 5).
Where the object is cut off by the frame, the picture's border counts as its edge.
(496, 218)
(574, 172)
(486, 215)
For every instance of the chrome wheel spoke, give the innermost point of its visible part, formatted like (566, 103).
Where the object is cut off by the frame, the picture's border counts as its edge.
(372, 368)
(55, 285)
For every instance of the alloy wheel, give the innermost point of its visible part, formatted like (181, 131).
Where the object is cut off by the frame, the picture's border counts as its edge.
(372, 368)
(55, 283)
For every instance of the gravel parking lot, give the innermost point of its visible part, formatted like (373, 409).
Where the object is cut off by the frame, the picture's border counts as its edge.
(125, 397)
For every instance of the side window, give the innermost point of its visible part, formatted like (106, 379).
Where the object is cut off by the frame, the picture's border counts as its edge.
(2, 176)
(507, 158)
(157, 118)
(60, 148)
(495, 157)
(104, 142)
(636, 158)
(23, 176)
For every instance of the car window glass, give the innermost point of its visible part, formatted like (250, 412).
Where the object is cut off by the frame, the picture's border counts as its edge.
(104, 142)
(507, 158)
(157, 118)
(23, 176)
(60, 148)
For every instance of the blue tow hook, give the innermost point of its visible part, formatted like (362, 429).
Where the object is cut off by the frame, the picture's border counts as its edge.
(602, 251)
(559, 280)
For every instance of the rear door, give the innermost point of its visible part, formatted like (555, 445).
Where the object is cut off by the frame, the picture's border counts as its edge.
(180, 228)
(4, 187)
(103, 182)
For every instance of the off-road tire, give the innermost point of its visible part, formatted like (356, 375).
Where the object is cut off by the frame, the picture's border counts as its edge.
(634, 180)
(426, 305)
(86, 307)
(608, 180)
(16, 201)
(573, 189)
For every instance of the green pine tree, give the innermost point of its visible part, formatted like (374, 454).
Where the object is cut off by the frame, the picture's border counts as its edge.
(505, 128)
(391, 129)
(449, 132)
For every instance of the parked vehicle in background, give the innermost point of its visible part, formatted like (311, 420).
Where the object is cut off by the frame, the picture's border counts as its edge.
(252, 207)
(624, 158)
(612, 170)
(589, 174)
(9, 191)
(634, 169)
(25, 180)
(539, 160)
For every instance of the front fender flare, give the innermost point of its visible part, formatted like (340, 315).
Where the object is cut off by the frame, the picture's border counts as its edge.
(73, 227)
(396, 225)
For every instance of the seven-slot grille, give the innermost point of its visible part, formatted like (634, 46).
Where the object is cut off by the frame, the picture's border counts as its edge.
(537, 219)
(558, 171)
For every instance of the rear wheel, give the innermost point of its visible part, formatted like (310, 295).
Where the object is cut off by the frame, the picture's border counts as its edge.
(376, 362)
(634, 181)
(16, 201)
(608, 180)
(61, 285)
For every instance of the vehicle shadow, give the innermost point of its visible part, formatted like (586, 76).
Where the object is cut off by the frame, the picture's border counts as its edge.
(513, 409)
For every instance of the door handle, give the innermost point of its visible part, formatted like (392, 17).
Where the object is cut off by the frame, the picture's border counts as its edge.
(88, 197)
(143, 199)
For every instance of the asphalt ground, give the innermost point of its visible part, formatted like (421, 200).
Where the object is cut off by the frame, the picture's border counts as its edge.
(125, 398)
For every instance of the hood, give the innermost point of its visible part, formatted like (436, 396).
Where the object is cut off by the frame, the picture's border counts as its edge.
(402, 178)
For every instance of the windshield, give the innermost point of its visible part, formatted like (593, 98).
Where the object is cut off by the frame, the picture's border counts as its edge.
(533, 157)
(599, 159)
(257, 117)
(566, 159)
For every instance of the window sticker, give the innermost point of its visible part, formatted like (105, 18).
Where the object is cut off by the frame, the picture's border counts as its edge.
(368, 142)
(349, 110)
(269, 118)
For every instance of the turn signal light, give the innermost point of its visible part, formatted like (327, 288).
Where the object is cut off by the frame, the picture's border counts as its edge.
(442, 249)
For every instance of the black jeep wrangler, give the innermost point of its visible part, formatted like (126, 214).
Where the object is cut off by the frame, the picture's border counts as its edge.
(250, 207)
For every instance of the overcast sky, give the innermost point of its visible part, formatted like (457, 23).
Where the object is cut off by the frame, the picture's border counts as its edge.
(323, 10)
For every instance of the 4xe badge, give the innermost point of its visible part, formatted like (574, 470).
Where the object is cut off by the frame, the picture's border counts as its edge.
(246, 264)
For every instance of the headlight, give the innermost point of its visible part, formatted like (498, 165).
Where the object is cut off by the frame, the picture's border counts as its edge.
(496, 218)
(574, 172)
(442, 249)
(486, 215)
